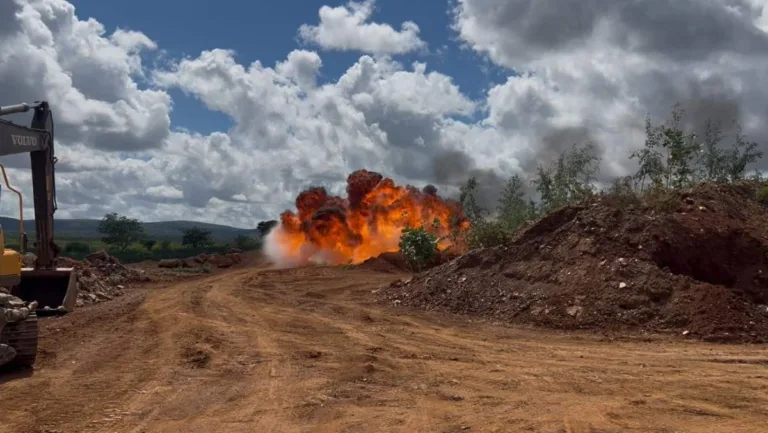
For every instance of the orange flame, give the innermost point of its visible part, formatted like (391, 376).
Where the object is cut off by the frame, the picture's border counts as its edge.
(365, 224)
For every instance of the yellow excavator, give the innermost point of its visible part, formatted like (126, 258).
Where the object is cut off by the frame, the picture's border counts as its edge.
(54, 289)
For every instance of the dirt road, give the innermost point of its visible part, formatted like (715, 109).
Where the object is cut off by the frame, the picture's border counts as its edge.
(305, 350)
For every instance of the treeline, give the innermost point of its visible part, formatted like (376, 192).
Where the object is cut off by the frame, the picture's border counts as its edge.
(672, 158)
(126, 239)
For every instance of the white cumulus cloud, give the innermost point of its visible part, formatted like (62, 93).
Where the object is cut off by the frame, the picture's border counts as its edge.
(347, 28)
(587, 72)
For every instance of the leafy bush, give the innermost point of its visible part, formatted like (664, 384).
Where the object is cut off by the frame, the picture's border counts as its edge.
(487, 234)
(149, 244)
(247, 243)
(622, 193)
(418, 247)
(661, 199)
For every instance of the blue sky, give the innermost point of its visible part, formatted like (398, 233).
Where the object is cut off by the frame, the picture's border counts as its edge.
(280, 133)
(267, 31)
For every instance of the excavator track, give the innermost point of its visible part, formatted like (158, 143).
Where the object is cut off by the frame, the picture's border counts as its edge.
(22, 336)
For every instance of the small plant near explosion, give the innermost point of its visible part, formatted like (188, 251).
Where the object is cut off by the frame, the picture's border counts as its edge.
(418, 246)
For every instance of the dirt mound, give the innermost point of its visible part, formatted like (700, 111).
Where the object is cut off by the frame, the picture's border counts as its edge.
(700, 268)
(101, 277)
(395, 262)
(221, 261)
(386, 262)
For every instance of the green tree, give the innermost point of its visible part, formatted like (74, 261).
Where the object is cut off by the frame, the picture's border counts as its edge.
(468, 201)
(165, 245)
(513, 208)
(245, 243)
(119, 231)
(149, 244)
(712, 159)
(570, 179)
(742, 153)
(670, 154)
(196, 237)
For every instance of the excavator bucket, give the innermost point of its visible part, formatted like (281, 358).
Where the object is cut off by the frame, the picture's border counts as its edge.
(55, 290)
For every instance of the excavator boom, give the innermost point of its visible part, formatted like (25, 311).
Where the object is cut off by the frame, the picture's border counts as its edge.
(19, 139)
(55, 289)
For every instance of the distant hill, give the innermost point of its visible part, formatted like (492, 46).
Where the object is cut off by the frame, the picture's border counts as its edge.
(86, 229)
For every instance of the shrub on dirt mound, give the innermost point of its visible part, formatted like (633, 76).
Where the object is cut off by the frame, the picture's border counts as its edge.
(699, 267)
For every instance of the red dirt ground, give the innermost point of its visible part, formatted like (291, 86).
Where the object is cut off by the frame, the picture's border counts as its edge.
(700, 269)
(309, 350)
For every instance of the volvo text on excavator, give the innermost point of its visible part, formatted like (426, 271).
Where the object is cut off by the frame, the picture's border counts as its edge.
(49, 289)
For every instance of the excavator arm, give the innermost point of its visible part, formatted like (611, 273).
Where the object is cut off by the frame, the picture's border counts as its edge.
(36, 140)
(55, 289)
(21, 139)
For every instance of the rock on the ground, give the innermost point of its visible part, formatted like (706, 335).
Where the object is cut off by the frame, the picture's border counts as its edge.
(103, 274)
(225, 260)
(169, 263)
(216, 260)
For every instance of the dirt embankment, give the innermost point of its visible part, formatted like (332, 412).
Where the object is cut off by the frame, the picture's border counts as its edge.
(700, 269)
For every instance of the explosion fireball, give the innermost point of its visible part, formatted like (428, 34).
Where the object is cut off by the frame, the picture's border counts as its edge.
(334, 230)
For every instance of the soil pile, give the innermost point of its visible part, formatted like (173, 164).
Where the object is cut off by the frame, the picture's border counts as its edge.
(386, 262)
(221, 261)
(100, 276)
(700, 268)
(394, 262)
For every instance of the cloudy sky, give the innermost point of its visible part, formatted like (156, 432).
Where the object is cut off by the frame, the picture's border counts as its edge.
(183, 110)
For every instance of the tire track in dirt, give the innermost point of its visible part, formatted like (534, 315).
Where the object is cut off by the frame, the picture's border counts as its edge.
(550, 365)
(198, 349)
(307, 350)
(76, 373)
